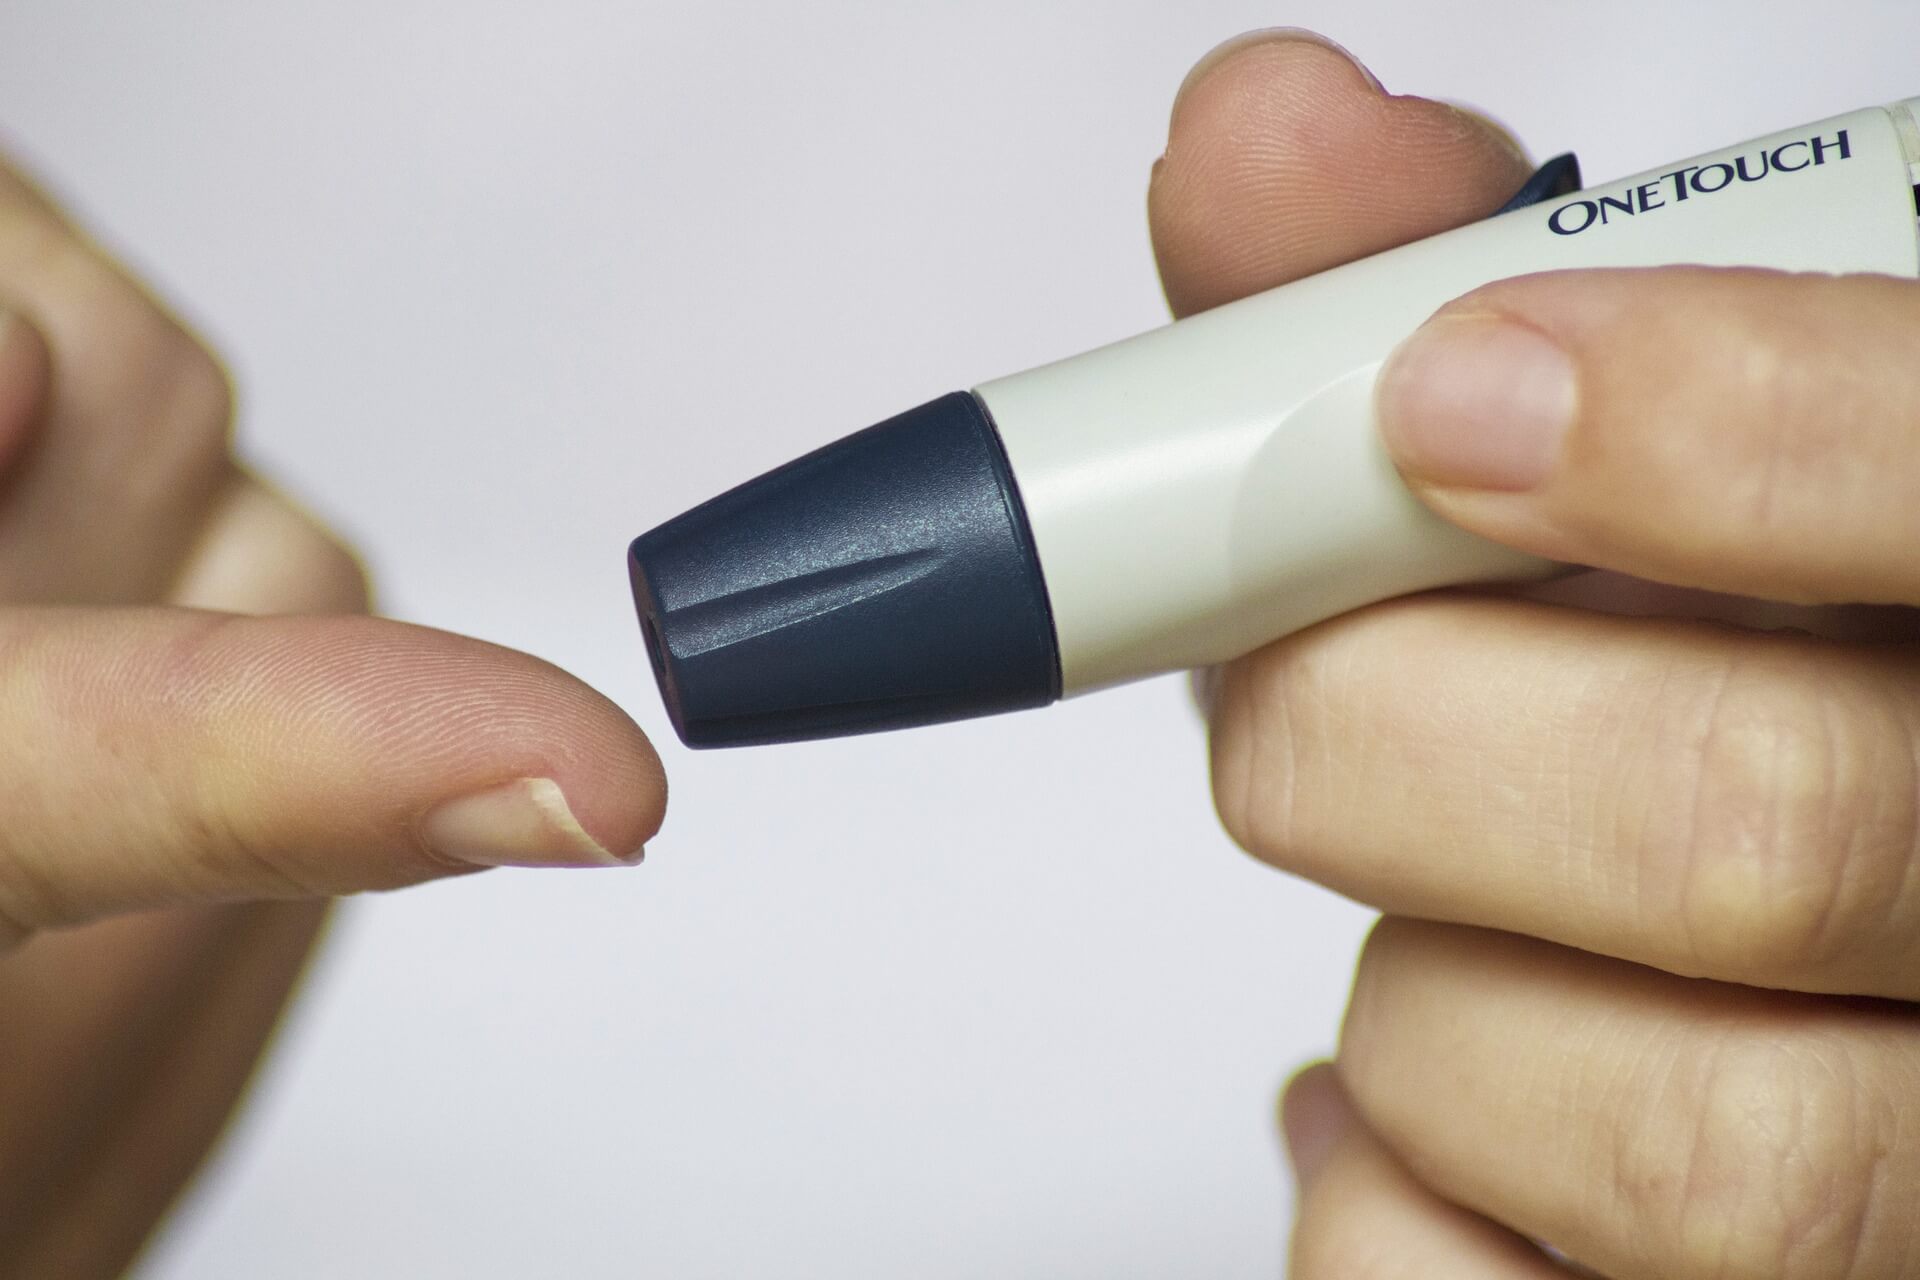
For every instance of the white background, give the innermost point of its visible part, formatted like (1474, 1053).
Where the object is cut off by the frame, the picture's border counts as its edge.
(505, 284)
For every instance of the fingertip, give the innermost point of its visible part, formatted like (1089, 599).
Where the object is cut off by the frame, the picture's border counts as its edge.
(1267, 42)
(551, 724)
(179, 756)
(1233, 201)
(442, 726)
(1285, 157)
(620, 795)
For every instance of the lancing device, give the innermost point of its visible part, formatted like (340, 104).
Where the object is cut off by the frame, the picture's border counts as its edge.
(1182, 497)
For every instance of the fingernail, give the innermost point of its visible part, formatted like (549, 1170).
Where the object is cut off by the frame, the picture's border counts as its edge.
(525, 823)
(1267, 35)
(1477, 402)
(1313, 1115)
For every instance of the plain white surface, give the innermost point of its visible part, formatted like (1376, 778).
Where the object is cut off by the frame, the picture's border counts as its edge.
(505, 284)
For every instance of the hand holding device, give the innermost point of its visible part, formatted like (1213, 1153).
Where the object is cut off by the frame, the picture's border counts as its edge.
(1180, 498)
(165, 756)
(1644, 994)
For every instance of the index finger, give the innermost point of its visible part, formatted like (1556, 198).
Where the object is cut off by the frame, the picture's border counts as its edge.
(209, 758)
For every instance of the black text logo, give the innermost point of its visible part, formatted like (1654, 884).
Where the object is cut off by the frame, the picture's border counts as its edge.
(1698, 180)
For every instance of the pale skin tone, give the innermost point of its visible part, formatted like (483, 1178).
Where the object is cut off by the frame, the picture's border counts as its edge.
(1653, 918)
(1643, 989)
(185, 785)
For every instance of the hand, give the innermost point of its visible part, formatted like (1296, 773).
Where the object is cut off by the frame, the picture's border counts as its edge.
(1654, 877)
(162, 754)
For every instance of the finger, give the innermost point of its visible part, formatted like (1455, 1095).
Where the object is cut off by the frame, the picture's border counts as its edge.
(20, 193)
(159, 757)
(129, 1042)
(260, 553)
(1654, 1127)
(1713, 802)
(1362, 1216)
(132, 438)
(1285, 157)
(24, 374)
(120, 1084)
(1738, 430)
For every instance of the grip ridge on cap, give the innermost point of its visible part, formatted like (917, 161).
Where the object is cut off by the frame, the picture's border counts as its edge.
(885, 581)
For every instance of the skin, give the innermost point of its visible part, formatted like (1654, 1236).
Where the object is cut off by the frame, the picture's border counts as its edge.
(1646, 841)
(1643, 989)
(200, 742)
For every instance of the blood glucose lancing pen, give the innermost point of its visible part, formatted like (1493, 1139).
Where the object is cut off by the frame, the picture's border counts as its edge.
(1184, 496)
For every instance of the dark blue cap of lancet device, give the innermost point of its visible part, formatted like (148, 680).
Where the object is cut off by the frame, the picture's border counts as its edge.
(885, 581)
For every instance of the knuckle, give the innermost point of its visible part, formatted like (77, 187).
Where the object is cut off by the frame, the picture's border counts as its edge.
(1792, 418)
(196, 394)
(224, 851)
(341, 579)
(28, 902)
(1757, 490)
(1780, 420)
(332, 578)
(1268, 712)
(1781, 1165)
(42, 884)
(213, 832)
(204, 386)
(1798, 808)
(34, 245)
(1367, 1030)
(141, 367)
(1331, 1242)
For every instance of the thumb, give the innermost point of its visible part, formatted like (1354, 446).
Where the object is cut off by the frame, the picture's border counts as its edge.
(1739, 431)
(166, 756)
